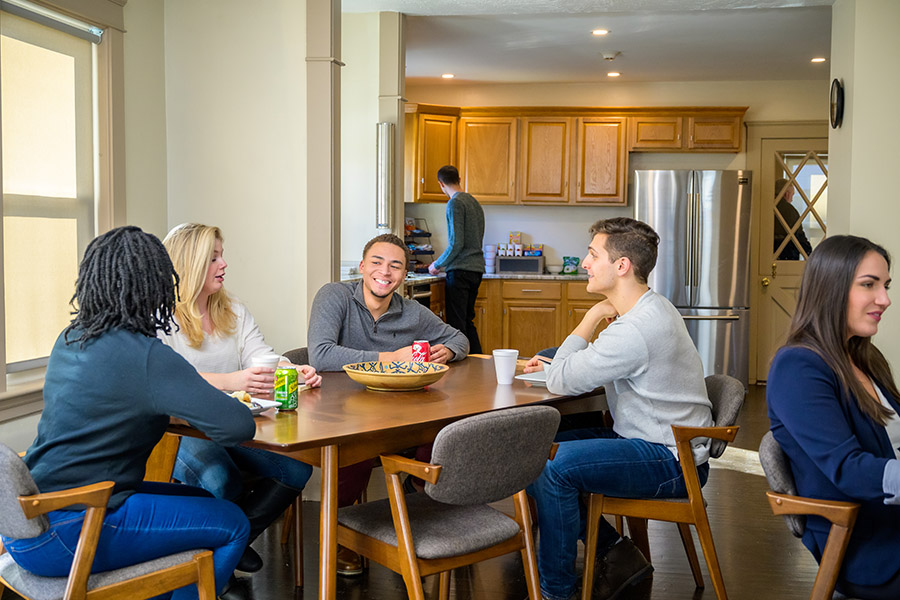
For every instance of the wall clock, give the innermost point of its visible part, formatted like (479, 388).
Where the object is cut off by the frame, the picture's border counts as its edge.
(837, 103)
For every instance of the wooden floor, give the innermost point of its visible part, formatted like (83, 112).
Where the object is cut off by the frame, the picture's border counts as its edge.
(760, 559)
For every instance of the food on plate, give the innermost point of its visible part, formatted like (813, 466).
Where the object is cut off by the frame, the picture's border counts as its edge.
(242, 396)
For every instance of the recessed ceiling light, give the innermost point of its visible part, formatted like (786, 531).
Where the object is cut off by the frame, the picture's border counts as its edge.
(448, 75)
(818, 59)
(600, 31)
(613, 74)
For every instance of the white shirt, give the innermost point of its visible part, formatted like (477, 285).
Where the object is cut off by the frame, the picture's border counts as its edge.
(893, 424)
(223, 354)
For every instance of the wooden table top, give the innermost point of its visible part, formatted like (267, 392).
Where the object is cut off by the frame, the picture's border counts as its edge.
(344, 413)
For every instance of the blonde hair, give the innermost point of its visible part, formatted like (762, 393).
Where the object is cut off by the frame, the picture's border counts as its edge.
(191, 247)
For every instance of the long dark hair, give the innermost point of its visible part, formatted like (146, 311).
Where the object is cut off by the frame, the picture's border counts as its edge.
(126, 280)
(820, 322)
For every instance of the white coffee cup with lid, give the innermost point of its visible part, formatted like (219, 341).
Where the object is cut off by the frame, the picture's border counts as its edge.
(269, 360)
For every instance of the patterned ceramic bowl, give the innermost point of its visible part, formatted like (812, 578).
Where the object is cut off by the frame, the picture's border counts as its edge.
(395, 376)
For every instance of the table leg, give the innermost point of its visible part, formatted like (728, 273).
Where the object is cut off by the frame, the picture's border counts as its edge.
(328, 525)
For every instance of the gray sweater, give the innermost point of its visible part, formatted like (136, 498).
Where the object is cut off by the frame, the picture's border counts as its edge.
(465, 230)
(343, 331)
(650, 369)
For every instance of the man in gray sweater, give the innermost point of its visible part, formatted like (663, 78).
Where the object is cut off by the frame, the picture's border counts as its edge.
(367, 320)
(653, 379)
(463, 260)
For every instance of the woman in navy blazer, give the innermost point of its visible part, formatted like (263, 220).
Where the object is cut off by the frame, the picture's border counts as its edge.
(833, 405)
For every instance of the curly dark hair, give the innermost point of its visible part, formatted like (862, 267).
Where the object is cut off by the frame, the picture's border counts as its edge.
(126, 280)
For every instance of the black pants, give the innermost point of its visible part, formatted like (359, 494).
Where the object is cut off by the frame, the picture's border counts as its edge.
(462, 290)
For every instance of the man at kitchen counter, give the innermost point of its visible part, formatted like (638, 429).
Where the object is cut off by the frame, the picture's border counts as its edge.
(367, 320)
(653, 378)
(463, 260)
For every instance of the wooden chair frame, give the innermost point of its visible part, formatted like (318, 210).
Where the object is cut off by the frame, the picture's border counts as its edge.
(842, 516)
(639, 510)
(95, 497)
(402, 558)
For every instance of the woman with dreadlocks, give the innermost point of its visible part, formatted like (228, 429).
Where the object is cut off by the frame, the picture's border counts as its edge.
(110, 389)
(218, 336)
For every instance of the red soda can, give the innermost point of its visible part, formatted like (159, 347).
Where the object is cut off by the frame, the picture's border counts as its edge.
(421, 351)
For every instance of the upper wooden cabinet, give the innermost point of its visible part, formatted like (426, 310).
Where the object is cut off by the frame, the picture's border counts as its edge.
(544, 159)
(715, 133)
(430, 142)
(601, 161)
(487, 158)
(712, 129)
(655, 133)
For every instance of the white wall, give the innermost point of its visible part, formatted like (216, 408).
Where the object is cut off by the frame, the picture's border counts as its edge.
(862, 151)
(236, 146)
(563, 230)
(359, 114)
(145, 116)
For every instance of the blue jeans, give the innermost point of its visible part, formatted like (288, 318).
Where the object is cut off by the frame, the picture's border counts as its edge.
(160, 519)
(597, 461)
(216, 469)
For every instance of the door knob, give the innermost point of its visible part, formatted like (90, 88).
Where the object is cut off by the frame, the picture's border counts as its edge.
(765, 282)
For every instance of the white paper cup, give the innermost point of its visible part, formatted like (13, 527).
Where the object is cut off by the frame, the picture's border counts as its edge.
(505, 365)
(268, 361)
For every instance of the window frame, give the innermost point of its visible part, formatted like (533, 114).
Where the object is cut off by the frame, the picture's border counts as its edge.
(22, 398)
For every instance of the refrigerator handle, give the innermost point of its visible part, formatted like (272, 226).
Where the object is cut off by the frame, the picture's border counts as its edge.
(698, 234)
(689, 241)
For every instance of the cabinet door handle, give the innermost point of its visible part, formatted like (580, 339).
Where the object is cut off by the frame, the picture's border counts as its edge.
(532, 291)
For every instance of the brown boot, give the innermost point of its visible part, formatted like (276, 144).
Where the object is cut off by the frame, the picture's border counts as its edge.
(622, 566)
(349, 563)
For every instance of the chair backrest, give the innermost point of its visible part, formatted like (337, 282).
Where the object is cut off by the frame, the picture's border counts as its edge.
(781, 479)
(727, 397)
(298, 356)
(15, 481)
(492, 456)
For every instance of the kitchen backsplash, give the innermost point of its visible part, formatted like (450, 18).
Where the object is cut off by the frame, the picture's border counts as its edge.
(562, 230)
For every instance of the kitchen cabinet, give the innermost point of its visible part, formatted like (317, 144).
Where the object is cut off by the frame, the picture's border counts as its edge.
(693, 130)
(544, 159)
(601, 161)
(714, 133)
(578, 302)
(487, 158)
(532, 315)
(655, 133)
(487, 319)
(430, 143)
(437, 302)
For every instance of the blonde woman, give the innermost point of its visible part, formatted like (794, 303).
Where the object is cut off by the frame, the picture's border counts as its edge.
(218, 336)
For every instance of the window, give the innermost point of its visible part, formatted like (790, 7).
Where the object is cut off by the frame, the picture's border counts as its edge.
(49, 171)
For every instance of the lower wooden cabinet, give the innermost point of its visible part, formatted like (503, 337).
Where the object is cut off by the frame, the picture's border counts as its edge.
(529, 315)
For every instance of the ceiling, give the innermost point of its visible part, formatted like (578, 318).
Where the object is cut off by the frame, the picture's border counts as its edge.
(516, 41)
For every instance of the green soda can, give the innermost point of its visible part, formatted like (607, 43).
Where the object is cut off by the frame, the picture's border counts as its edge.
(286, 388)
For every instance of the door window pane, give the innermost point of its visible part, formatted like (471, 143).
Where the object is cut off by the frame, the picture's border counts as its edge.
(801, 204)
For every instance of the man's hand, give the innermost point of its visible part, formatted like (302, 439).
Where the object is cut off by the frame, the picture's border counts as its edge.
(592, 318)
(404, 354)
(441, 354)
(433, 270)
(536, 363)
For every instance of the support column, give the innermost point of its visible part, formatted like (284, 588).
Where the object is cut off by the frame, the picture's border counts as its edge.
(391, 103)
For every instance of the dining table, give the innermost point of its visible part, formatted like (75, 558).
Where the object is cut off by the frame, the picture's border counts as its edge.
(342, 423)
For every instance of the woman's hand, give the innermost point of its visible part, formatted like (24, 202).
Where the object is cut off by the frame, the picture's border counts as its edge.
(309, 375)
(256, 381)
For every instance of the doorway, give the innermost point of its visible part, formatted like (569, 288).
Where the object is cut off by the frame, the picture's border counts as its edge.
(791, 219)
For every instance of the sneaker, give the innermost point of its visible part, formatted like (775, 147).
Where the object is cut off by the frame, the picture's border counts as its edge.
(622, 566)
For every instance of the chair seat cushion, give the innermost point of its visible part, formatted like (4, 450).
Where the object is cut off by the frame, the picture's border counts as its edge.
(52, 588)
(439, 530)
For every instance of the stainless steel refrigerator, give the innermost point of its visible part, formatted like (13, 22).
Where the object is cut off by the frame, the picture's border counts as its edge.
(703, 268)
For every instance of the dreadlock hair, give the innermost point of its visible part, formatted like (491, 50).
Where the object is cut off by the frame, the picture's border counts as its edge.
(125, 281)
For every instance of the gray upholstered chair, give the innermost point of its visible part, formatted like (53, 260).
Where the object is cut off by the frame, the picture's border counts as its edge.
(727, 396)
(298, 356)
(474, 461)
(22, 515)
(784, 501)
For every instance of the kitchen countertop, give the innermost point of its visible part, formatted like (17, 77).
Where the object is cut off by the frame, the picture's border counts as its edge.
(426, 279)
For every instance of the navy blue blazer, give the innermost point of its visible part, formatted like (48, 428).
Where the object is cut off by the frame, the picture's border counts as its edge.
(836, 453)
